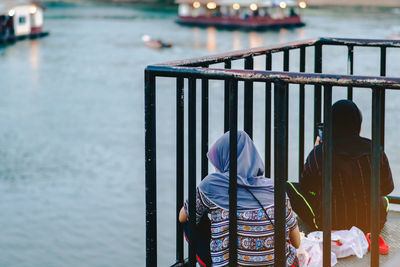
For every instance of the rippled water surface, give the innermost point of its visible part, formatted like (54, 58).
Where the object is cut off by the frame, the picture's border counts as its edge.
(72, 126)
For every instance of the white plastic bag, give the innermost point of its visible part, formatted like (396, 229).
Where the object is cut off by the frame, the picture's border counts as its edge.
(344, 243)
(349, 242)
(310, 251)
(302, 255)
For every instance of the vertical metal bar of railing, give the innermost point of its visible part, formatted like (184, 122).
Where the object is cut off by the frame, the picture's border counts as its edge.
(233, 99)
(377, 109)
(179, 165)
(268, 66)
(150, 169)
(204, 127)
(317, 88)
(350, 69)
(280, 171)
(327, 176)
(286, 60)
(248, 98)
(228, 65)
(383, 73)
(301, 112)
(192, 170)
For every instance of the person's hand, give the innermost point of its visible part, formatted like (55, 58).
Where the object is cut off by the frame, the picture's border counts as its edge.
(183, 218)
(317, 141)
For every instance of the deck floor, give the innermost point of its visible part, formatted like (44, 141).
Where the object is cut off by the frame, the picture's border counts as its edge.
(391, 234)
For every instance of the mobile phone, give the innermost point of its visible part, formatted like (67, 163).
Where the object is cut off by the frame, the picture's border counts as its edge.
(320, 127)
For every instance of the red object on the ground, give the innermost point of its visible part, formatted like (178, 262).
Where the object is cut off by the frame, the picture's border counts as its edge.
(338, 242)
(383, 247)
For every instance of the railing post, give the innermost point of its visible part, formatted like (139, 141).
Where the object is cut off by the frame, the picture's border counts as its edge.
(192, 170)
(327, 176)
(233, 99)
(281, 171)
(317, 89)
(383, 97)
(179, 165)
(268, 66)
(286, 60)
(228, 65)
(204, 128)
(350, 69)
(377, 110)
(301, 112)
(248, 99)
(150, 169)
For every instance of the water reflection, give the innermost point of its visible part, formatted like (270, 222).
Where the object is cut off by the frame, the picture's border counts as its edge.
(206, 38)
(236, 40)
(282, 35)
(211, 39)
(302, 34)
(34, 48)
(196, 38)
(34, 54)
(255, 39)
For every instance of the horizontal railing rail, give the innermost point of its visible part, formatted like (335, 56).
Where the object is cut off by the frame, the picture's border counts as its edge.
(259, 51)
(276, 76)
(231, 56)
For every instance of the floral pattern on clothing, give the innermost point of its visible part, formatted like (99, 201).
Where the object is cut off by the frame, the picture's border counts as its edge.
(255, 233)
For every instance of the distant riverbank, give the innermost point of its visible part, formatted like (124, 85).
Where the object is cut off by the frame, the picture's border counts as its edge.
(151, 5)
(355, 3)
(311, 3)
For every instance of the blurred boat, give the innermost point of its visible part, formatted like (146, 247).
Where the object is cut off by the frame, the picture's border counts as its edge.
(20, 19)
(244, 14)
(156, 44)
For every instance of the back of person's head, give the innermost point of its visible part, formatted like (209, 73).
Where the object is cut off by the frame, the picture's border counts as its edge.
(346, 119)
(249, 162)
(250, 169)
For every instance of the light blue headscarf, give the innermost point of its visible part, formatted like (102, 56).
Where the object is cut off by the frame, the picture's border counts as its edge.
(250, 170)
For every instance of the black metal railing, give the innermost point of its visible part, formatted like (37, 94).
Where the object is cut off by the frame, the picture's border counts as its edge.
(202, 69)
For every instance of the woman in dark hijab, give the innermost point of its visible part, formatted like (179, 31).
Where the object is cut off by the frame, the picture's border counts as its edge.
(351, 178)
(255, 209)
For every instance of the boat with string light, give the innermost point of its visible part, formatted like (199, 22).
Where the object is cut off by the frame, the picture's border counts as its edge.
(242, 14)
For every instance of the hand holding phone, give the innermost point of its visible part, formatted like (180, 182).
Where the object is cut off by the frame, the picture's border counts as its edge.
(320, 127)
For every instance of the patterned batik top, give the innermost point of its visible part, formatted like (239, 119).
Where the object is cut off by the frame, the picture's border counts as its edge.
(255, 233)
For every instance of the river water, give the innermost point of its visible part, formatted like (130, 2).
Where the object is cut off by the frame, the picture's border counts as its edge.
(72, 127)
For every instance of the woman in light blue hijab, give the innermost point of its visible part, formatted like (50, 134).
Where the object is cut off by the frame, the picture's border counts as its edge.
(250, 171)
(255, 206)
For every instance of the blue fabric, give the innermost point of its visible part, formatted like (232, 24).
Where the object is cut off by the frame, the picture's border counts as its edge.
(250, 170)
